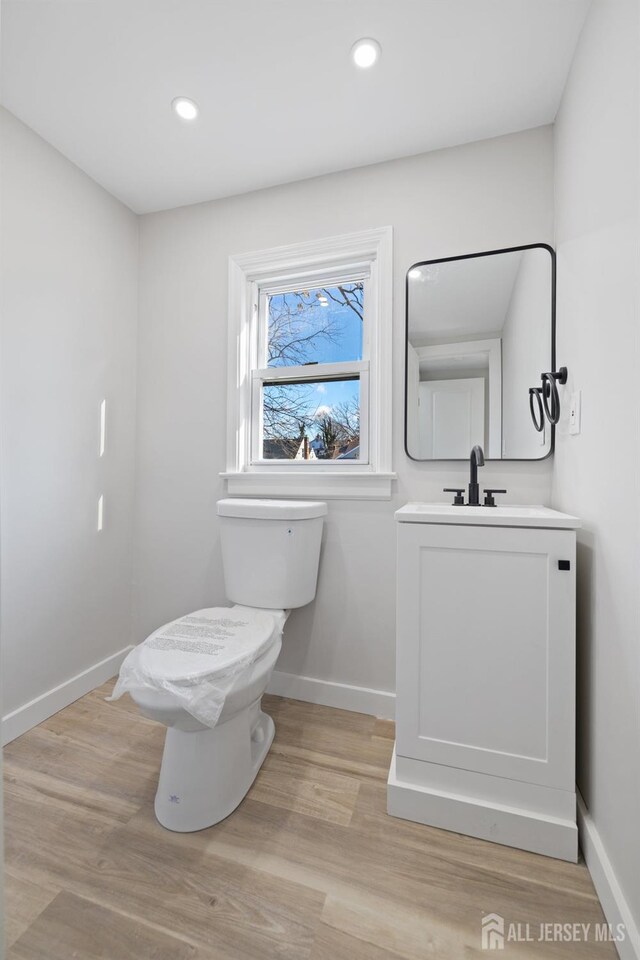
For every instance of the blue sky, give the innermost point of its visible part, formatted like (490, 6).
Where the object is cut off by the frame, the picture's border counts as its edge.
(346, 344)
(335, 391)
(347, 324)
(322, 396)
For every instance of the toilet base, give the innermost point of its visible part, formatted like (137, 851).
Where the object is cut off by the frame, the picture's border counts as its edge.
(205, 774)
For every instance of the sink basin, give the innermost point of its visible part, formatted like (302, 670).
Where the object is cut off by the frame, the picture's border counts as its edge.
(501, 516)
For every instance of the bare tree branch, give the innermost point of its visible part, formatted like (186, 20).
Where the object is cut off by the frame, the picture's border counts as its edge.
(351, 296)
(299, 325)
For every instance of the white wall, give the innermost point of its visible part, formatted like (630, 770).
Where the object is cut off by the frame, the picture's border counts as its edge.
(596, 473)
(68, 339)
(526, 337)
(488, 194)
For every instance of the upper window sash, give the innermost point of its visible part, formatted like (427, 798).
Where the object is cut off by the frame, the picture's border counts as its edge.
(263, 291)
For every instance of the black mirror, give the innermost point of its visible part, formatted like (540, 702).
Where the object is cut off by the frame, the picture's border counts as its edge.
(480, 332)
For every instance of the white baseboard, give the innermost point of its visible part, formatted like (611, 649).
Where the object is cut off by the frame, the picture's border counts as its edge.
(344, 696)
(526, 829)
(17, 722)
(614, 905)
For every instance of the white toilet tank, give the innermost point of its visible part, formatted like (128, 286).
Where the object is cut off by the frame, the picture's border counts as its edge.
(271, 551)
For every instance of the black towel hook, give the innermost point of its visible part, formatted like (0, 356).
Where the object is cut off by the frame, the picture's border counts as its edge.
(550, 383)
(538, 420)
(547, 398)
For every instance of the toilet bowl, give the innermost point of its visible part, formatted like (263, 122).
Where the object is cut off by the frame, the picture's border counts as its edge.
(206, 771)
(204, 674)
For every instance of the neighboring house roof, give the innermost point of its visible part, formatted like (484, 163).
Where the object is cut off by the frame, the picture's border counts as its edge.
(285, 449)
(351, 451)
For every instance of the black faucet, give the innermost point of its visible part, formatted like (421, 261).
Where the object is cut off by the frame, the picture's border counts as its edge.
(475, 460)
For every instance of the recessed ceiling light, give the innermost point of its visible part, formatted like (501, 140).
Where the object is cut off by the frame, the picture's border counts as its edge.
(365, 52)
(185, 108)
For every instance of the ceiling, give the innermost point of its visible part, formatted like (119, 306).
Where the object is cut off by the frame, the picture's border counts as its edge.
(280, 99)
(462, 299)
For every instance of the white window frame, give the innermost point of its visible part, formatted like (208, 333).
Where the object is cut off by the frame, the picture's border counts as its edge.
(367, 254)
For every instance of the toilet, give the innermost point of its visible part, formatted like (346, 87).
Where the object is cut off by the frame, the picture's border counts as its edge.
(203, 675)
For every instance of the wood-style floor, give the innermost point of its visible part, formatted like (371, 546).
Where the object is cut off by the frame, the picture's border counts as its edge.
(309, 866)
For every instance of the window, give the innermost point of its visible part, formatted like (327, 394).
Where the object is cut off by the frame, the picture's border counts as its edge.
(312, 385)
(309, 368)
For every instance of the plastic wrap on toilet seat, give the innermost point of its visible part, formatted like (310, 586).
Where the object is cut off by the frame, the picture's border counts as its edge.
(198, 658)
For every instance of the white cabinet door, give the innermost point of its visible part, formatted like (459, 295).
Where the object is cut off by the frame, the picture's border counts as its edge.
(451, 417)
(485, 650)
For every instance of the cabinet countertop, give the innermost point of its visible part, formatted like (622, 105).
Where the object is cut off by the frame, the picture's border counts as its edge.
(500, 516)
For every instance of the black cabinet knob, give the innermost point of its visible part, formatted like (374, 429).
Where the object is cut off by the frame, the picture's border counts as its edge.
(564, 564)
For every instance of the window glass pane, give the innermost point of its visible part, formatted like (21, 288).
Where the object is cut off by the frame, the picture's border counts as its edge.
(322, 325)
(314, 420)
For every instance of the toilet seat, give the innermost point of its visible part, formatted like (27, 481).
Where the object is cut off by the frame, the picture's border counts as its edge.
(199, 658)
(207, 644)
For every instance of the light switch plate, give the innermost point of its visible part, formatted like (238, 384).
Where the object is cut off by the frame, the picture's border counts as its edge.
(575, 404)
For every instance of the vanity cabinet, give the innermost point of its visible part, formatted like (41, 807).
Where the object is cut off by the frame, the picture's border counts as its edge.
(485, 685)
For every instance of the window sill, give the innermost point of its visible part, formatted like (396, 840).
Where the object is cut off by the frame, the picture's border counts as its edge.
(332, 485)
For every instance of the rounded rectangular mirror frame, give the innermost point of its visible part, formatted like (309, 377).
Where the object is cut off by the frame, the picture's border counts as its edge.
(471, 256)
